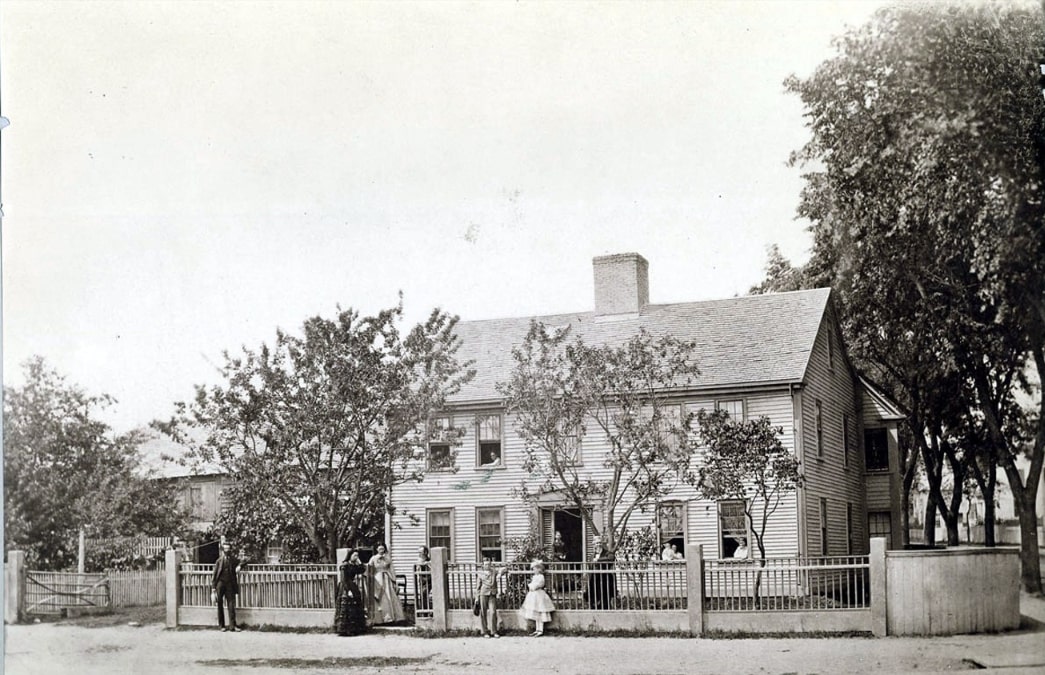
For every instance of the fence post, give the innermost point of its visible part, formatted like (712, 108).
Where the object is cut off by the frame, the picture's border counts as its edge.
(172, 564)
(439, 589)
(695, 587)
(14, 582)
(879, 590)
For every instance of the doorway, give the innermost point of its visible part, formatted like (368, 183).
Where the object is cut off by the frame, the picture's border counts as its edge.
(568, 523)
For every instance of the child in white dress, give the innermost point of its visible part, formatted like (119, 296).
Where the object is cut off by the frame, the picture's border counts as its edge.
(537, 606)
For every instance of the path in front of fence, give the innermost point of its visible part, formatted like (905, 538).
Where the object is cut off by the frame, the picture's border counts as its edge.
(53, 648)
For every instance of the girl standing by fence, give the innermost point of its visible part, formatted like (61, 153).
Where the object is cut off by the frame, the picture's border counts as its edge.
(537, 606)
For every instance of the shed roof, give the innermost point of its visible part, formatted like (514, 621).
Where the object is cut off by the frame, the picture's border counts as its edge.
(744, 341)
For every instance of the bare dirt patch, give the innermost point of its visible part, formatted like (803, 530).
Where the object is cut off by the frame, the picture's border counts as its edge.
(327, 663)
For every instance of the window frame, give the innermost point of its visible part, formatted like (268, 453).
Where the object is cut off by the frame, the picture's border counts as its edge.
(823, 528)
(479, 549)
(845, 440)
(479, 419)
(434, 430)
(274, 545)
(449, 511)
(578, 454)
(721, 403)
(849, 528)
(884, 432)
(722, 531)
(680, 533)
(878, 517)
(818, 424)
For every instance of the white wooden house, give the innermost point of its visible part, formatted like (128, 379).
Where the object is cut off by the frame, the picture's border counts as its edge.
(777, 355)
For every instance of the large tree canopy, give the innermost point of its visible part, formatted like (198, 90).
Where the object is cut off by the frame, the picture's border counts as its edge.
(564, 394)
(926, 196)
(65, 470)
(323, 425)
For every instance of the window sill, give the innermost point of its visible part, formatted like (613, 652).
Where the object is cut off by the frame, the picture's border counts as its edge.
(879, 471)
(499, 466)
(440, 469)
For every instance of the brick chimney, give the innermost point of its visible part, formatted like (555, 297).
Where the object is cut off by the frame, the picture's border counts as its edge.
(621, 284)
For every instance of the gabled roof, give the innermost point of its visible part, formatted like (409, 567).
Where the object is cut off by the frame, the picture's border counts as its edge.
(888, 409)
(745, 341)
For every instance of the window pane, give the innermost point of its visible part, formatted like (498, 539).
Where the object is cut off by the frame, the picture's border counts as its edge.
(440, 530)
(489, 427)
(732, 526)
(734, 407)
(876, 447)
(490, 534)
(439, 456)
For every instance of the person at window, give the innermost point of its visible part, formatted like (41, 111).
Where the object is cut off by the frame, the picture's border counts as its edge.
(667, 553)
(350, 617)
(423, 578)
(225, 586)
(537, 606)
(742, 550)
(384, 601)
(487, 592)
(675, 553)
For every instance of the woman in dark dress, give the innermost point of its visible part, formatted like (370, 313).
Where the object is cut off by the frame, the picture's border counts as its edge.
(602, 580)
(350, 618)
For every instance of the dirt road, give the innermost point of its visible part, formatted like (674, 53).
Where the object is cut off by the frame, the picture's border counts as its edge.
(55, 648)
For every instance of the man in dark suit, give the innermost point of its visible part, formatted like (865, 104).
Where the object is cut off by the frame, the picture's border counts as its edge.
(225, 586)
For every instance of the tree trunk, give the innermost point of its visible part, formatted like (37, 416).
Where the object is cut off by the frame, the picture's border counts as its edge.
(910, 471)
(989, 535)
(1023, 498)
(929, 524)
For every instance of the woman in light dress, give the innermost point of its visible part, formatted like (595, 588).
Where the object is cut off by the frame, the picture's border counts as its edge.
(384, 601)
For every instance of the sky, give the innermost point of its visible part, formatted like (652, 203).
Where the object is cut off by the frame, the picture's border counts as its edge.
(180, 179)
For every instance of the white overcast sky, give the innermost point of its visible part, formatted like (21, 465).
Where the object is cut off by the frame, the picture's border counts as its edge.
(181, 178)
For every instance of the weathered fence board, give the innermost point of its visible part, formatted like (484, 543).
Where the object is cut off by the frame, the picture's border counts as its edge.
(950, 591)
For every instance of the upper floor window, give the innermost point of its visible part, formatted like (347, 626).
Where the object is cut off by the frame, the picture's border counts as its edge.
(669, 425)
(733, 407)
(876, 449)
(830, 348)
(488, 435)
(440, 434)
(571, 450)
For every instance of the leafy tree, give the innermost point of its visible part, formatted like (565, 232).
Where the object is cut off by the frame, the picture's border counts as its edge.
(562, 391)
(320, 427)
(926, 197)
(746, 461)
(64, 470)
(781, 275)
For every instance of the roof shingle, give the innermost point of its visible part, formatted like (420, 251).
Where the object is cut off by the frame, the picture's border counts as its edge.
(749, 340)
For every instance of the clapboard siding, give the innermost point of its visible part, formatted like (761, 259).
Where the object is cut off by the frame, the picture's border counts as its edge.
(470, 488)
(835, 473)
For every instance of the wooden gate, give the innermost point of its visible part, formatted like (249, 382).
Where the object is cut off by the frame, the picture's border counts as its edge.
(54, 592)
